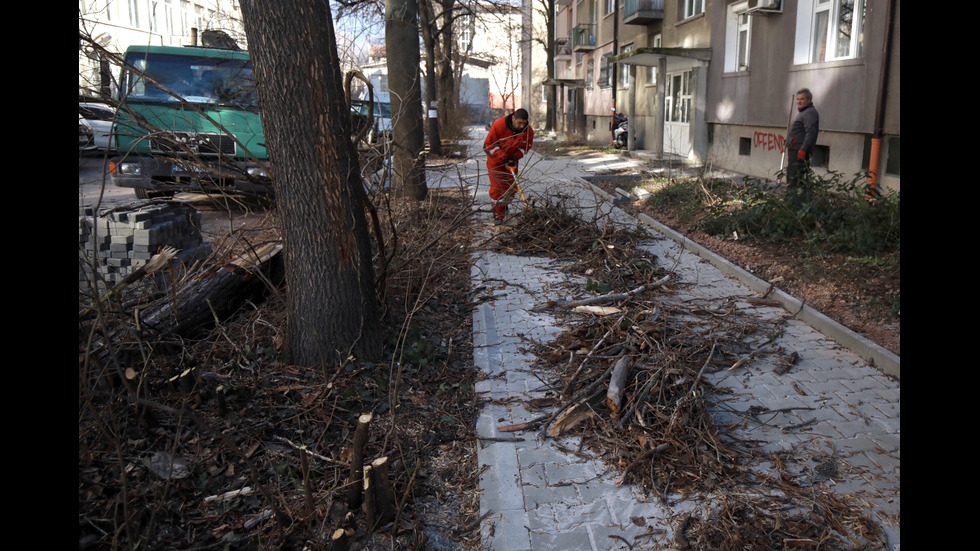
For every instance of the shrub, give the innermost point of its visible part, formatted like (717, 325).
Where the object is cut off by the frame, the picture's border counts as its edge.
(833, 214)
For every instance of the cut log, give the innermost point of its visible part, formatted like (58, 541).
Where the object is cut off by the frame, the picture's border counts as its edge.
(215, 295)
(355, 495)
(339, 540)
(384, 494)
(196, 307)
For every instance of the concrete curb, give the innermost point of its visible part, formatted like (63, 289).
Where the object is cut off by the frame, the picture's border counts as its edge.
(874, 354)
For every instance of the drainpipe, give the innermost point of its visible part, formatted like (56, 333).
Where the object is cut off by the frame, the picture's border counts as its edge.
(872, 190)
(615, 51)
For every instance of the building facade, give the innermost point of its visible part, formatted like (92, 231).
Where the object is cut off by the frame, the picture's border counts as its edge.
(713, 81)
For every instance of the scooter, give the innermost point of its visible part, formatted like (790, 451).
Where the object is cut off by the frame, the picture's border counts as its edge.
(620, 131)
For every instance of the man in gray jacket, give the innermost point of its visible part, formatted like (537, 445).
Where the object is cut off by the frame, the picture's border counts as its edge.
(801, 141)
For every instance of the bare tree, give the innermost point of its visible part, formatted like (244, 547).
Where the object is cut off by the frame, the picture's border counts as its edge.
(403, 58)
(546, 9)
(332, 304)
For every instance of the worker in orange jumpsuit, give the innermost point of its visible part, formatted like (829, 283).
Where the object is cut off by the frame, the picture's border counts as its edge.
(510, 138)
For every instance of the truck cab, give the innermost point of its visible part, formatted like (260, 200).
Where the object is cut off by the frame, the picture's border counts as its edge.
(188, 120)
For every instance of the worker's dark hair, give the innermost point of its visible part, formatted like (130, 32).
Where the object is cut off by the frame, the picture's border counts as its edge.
(521, 114)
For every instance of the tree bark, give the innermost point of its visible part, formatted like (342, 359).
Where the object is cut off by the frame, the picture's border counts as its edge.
(427, 26)
(448, 92)
(402, 47)
(332, 304)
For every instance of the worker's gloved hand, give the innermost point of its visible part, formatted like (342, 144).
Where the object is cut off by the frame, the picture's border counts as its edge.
(801, 155)
(511, 161)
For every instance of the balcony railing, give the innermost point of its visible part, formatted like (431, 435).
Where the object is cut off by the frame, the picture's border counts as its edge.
(642, 12)
(563, 46)
(583, 37)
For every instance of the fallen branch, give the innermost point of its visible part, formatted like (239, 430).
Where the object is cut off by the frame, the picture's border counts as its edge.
(608, 297)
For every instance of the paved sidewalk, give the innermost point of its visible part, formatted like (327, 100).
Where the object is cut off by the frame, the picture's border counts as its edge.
(539, 494)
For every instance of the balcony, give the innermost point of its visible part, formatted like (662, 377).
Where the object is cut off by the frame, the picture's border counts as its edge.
(563, 47)
(563, 2)
(643, 12)
(583, 38)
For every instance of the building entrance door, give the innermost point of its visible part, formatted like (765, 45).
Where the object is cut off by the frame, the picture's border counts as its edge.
(679, 99)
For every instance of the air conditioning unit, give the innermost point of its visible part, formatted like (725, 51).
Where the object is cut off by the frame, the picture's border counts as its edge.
(766, 6)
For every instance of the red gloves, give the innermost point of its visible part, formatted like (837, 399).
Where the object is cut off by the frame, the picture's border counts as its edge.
(801, 155)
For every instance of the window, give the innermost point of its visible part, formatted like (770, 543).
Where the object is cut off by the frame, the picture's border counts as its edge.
(605, 72)
(652, 71)
(610, 7)
(154, 25)
(168, 17)
(467, 25)
(680, 89)
(134, 13)
(829, 29)
(185, 26)
(624, 77)
(893, 164)
(693, 7)
(589, 74)
(199, 17)
(745, 146)
(738, 34)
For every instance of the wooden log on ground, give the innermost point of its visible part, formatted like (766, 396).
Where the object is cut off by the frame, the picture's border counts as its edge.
(196, 307)
(215, 295)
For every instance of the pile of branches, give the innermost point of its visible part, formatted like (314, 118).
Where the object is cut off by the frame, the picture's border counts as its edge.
(213, 440)
(628, 380)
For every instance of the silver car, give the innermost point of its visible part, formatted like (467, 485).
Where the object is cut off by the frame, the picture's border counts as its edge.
(99, 117)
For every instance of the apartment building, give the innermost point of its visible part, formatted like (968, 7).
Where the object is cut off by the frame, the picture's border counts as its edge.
(713, 81)
(117, 24)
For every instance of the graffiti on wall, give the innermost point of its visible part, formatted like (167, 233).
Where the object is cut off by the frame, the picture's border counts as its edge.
(768, 141)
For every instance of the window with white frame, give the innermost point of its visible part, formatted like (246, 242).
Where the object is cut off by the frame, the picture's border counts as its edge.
(680, 95)
(467, 26)
(168, 17)
(154, 17)
(185, 10)
(828, 30)
(589, 73)
(738, 36)
(693, 7)
(624, 77)
(610, 7)
(199, 17)
(134, 13)
(652, 71)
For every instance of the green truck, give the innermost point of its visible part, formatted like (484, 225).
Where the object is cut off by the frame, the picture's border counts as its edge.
(188, 120)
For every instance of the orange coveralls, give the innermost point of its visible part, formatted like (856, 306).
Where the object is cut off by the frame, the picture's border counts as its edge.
(502, 143)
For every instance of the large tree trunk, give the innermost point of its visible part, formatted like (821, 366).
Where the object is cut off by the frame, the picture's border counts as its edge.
(427, 26)
(402, 47)
(448, 92)
(332, 303)
(549, 13)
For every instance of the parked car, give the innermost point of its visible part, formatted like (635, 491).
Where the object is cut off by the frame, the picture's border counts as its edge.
(85, 134)
(99, 117)
(381, 131)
